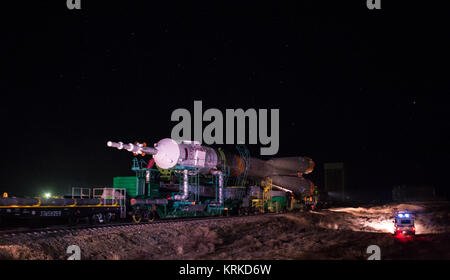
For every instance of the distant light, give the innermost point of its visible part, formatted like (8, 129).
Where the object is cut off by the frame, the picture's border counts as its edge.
(47, 195)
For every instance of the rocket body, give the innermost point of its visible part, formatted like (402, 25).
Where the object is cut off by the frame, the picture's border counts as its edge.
(169, 153)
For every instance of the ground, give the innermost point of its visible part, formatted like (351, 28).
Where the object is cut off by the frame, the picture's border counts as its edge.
(336, 233)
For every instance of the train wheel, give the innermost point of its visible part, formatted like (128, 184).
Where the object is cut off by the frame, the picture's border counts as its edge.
(241, 212)
(137, 216)
(150, 217)
(97, 218)
(109, 217)
(244, 212)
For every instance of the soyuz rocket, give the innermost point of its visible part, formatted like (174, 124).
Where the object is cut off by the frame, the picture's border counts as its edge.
(285, 172)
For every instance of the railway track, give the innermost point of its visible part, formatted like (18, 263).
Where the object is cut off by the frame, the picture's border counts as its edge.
(64, 229)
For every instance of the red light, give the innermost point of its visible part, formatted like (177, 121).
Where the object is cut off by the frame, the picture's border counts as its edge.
(133, 201)
(414, 228)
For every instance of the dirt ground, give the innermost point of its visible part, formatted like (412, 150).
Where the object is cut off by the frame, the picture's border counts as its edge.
(338, 233)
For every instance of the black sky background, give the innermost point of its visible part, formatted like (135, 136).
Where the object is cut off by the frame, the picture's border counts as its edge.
(368, 88)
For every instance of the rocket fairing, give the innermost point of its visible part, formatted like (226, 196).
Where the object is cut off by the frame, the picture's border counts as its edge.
(167, 153)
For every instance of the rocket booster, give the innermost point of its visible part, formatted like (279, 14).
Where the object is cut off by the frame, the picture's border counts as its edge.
(167, 153)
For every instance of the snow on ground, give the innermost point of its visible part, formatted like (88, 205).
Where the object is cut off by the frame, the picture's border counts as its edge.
(338, 233)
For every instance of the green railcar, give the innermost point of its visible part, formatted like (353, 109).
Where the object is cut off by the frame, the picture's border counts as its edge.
(280, 201)
(128, 183)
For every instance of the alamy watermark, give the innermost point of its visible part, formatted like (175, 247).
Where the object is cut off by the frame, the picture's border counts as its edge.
(73, 4)
(373, 4)
(375, 252)
(213, 133)
(75, 252)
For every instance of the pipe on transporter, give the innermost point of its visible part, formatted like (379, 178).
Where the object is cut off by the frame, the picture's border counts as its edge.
(221, 189)
(185, 194)
(220, 174)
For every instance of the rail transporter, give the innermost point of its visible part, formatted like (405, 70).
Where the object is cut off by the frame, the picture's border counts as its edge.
(188, 179)
(182, 179)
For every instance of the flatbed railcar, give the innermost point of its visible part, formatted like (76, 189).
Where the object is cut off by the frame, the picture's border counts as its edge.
(97, 208)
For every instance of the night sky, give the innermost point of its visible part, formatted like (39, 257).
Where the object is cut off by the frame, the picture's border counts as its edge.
(364, 87)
